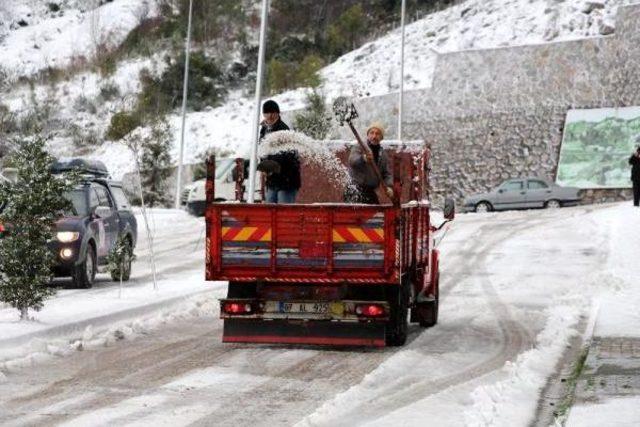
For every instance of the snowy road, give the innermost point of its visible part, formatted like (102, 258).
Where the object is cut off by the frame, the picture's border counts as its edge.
(515, 288)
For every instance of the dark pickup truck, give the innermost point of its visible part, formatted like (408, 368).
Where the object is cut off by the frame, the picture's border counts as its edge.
(85, 236)
(99, 214)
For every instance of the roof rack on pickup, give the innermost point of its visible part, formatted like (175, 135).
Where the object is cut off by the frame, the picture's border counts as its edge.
(89, 167)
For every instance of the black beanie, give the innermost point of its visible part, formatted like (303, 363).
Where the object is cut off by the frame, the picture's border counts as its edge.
(270, 106)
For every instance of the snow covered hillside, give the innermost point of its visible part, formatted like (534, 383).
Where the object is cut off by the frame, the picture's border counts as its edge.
(33, 37)
(474, 24)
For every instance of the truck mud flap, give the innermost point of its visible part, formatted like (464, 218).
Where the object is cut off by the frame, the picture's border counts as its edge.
(310, 332)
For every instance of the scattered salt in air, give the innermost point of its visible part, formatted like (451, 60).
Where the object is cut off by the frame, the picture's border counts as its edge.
(310, 150)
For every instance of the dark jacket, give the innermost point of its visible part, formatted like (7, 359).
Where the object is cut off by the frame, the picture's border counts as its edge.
(634, 161)
(362, 174)
(289, 176)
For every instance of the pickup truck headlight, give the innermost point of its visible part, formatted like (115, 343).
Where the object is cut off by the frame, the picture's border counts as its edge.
(67, 236)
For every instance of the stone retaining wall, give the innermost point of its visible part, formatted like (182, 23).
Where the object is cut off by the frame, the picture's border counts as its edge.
(499, 113)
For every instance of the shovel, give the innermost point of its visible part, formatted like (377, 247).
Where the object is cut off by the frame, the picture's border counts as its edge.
(346, 112)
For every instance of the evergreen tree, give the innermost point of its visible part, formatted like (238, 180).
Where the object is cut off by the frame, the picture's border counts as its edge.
(155, 164)
(32, 205)
(314, 121)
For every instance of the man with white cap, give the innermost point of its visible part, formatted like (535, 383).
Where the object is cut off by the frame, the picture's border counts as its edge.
(365, 180)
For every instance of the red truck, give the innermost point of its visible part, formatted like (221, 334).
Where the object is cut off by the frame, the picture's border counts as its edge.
(329, 273)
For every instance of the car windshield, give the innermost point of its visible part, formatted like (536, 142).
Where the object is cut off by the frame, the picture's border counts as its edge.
(222, 167)
(78, 201)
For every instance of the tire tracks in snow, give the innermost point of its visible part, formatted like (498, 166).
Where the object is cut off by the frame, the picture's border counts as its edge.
(514, 338)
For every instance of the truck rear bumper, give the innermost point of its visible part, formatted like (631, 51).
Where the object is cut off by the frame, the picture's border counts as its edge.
(314, 332)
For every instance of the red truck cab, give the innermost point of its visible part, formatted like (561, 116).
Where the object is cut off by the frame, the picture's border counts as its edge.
(326, 273)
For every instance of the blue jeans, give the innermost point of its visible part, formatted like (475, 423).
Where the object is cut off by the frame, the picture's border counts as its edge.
(273, 195)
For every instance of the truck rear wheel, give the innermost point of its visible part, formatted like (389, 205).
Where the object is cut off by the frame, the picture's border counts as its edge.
(398, 325)
(428, 311)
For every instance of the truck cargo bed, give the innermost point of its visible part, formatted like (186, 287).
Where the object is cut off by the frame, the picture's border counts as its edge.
(301, 243)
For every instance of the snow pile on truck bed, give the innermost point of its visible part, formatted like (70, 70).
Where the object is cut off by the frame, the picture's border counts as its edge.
(309, 150)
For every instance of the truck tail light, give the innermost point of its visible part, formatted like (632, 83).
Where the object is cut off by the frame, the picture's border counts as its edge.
(370, 310)
(237, 308)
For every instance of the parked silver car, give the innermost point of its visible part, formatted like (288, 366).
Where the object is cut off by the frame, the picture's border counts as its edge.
(523, 193)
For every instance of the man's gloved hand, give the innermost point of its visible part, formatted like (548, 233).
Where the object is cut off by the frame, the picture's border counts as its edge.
(269, 167)
(389, 192)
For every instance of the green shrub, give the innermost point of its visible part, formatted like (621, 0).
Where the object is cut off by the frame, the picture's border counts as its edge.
(83, 138)
(315, 120)
(152, 102)
(109, 91)
(279, 76)
(290, 75)
(155, 164)
(307, 74)
(142, 39)
(348, 31)
(162, 94)
(8, 121)
(122, 124)
(83, 104)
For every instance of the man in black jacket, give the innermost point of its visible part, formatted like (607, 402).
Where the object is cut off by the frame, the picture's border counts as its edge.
(282, 169)
(634, 161)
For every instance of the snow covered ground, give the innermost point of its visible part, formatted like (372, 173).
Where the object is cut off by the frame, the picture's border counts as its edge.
(516, 286)
(79, 317)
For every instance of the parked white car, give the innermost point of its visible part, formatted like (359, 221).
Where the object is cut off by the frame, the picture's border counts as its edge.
(225, 188)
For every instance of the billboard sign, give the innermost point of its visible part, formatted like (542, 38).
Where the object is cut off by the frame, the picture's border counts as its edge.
(596, 147)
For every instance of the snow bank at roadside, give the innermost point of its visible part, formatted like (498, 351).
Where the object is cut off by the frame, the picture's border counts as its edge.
(79, 317)
(86, 321)
(622, 316)
(563, 277)
(510, 401)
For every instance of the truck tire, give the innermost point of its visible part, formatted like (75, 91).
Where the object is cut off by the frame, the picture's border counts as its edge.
(398, 326)
(126, 268)
(428, 311)
(84, 274)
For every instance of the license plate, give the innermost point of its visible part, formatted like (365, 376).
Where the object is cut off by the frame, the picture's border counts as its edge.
(304, 307)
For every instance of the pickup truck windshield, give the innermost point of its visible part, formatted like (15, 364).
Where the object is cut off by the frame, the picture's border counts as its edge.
(223, 166)
(78, 201)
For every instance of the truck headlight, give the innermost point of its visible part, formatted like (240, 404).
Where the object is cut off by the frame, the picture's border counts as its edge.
(66, 253)
(67, 236)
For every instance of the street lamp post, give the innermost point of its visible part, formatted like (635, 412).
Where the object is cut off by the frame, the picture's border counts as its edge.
(401, 96)
(255, 133)
(184, 107)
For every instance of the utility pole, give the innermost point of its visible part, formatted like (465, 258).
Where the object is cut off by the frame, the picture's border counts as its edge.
(401, 96)
(184, 106)
(255, 134)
